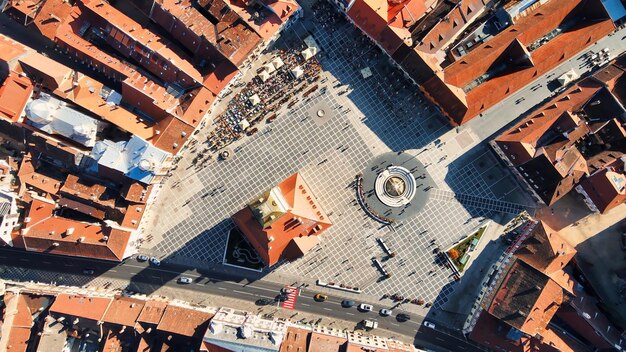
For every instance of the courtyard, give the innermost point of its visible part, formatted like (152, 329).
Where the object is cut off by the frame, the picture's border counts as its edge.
(364, 118)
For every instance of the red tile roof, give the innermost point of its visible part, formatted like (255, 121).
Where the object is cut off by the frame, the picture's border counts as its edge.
(123, 28)
(136, 192)
(296, 340)
(46, 232)
(607, 187)
(124, 311)
(28, 176)
(152, 312)
(92, 308)
(271, 242)
(268, 27)
(14, 94)
(184, 321)
(545, 250)
(326, 343)
(457, 91)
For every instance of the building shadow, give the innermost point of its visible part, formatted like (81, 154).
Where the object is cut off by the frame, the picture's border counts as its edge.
(388, 103)
(601, 259)
(485, 187)
(179, 263)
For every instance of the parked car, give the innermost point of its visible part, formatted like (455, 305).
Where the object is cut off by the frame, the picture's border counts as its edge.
(386, 312)
(142, 258)
(154, 261)
(403, 317)
(184, 280)
(370, 324)
(88, 271)
(429, 324)
(282, 297)
(365, 307)
(320, 297)
(346, 303)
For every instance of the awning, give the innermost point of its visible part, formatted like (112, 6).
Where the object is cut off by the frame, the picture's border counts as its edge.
(278, 63)
(264, 76)
(254, 99)
(269, 68)
(567, 77)
(297, 72)
(366, 72)
(310, 42)
(309, 53)
(244, 124)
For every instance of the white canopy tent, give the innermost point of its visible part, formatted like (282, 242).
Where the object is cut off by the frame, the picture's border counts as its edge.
(255, 99)
(309, 53)
(269, 67)
(310, 42)
(278, 63)
(264, 76)
(244, 124)
(297, 72)
(567, 77)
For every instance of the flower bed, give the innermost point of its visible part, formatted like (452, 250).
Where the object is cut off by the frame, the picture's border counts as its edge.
(459, 254)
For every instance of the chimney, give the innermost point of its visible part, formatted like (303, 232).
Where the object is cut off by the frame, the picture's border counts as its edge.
(70, 231)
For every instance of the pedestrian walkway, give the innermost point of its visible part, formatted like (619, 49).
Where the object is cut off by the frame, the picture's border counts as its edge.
(290, 303)
(479, 202)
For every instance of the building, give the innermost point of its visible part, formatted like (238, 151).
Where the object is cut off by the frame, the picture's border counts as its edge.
(467, 56)
(577, 141)
(532, 301)
(42, 318)
(94, 124)
(284, 222)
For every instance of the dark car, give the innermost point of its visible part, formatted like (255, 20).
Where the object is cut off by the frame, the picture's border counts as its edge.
(624, 240)
(282, 298)
(403, 317)
(346, 303)
(88, 271)
(142, 258)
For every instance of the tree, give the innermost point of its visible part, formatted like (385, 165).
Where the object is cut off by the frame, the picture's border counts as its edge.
(454, 254)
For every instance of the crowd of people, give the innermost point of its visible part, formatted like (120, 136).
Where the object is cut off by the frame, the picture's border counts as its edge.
(260, 98)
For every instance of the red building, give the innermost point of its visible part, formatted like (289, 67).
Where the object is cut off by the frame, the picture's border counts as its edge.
(484, 68)
(533, 287)
(575, 141)
(284, 222)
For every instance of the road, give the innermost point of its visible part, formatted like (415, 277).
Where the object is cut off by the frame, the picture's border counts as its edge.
(143, 276)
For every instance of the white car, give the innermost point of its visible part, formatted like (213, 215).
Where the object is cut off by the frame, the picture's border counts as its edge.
(429, 324)
(184, 280)
(365, 307)
(386, 312)
(154, 261)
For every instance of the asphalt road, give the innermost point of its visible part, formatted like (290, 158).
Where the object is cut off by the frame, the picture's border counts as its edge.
(143, 278)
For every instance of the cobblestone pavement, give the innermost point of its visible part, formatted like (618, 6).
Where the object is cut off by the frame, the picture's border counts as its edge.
(373, 116)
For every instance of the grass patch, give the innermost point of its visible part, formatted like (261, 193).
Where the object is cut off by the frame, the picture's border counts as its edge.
(460, 250)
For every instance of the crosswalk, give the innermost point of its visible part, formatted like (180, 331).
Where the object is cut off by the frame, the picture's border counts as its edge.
(290, 303)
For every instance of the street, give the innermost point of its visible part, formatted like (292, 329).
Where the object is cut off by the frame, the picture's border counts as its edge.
(142, 276)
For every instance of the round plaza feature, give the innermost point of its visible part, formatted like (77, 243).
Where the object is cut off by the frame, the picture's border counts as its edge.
(394, 186)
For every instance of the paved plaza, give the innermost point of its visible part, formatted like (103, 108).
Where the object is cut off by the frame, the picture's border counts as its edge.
(370, 117)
